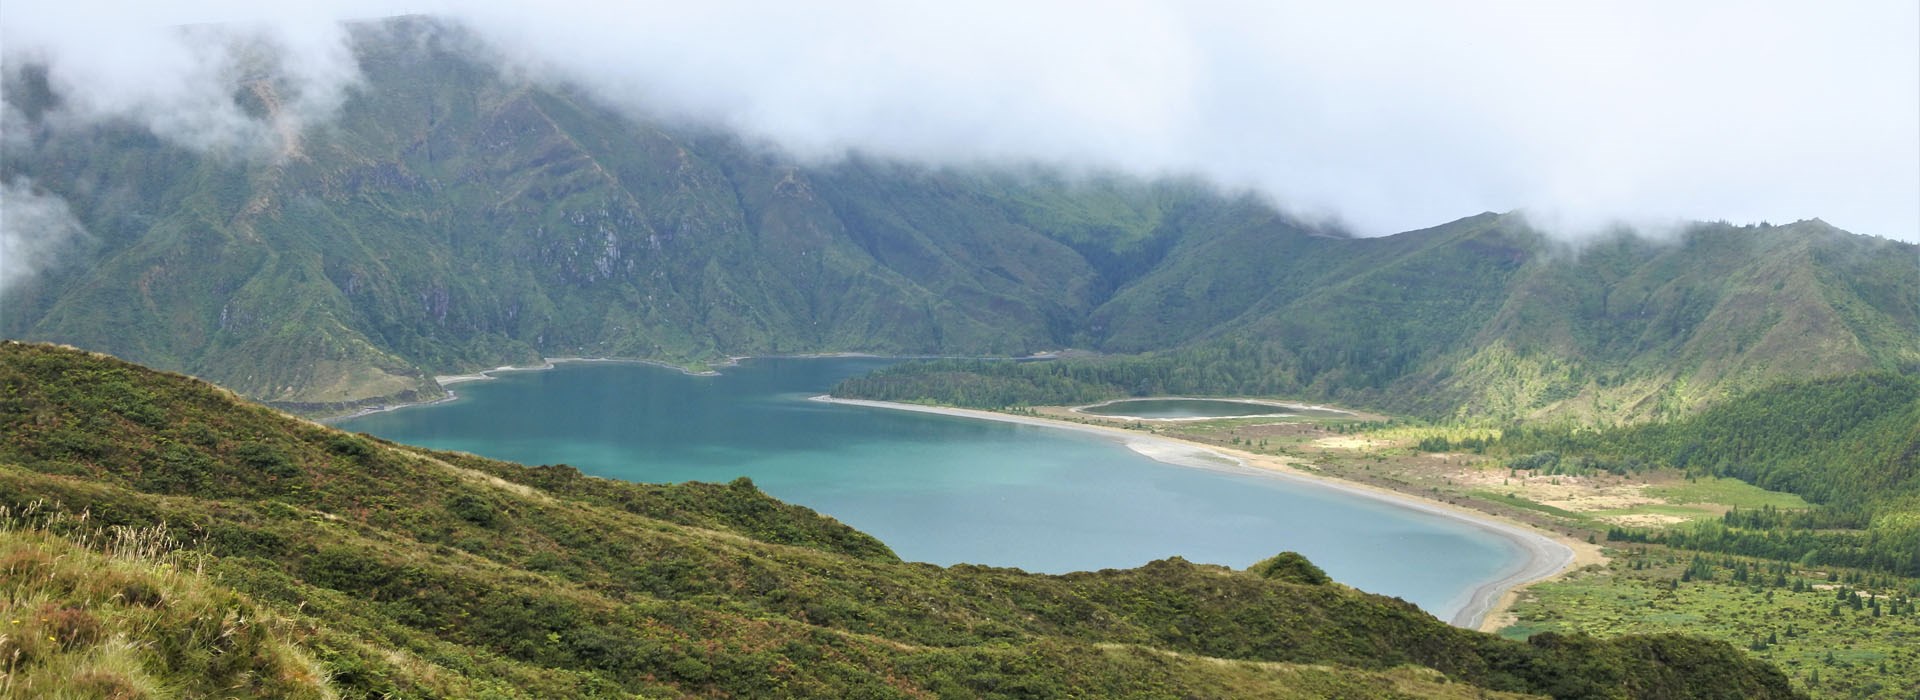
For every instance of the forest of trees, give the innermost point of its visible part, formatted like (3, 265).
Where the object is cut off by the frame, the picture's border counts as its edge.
(1223, 366)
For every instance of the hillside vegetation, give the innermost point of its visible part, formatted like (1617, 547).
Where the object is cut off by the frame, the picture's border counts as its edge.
(1825, 587)
(1850, 444)
(282, 557)
(456, 216)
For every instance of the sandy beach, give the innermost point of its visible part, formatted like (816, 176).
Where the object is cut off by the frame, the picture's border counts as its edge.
(1546, 554)
(486, 374)
(446, 381)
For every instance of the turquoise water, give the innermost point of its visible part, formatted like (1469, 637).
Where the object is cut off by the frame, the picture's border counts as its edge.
(942, 489)
(1196, 408)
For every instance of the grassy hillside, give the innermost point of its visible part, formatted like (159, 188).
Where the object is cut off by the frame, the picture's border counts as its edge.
(455, 216)
(166, 535)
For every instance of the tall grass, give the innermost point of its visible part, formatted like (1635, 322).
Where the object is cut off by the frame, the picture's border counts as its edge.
(124, 612)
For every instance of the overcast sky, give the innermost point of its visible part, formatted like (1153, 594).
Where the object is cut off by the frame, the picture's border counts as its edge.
(1385, 116)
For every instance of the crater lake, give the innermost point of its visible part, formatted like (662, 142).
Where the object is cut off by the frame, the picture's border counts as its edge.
(944, 489)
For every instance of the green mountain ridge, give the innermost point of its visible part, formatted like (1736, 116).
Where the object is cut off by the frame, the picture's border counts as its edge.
(165, 538)
(455, 216)
(1485, 319)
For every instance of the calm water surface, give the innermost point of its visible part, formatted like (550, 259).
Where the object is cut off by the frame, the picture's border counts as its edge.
(941, 489)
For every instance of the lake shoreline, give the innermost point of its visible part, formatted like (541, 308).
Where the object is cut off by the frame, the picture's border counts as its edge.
(1545, 554)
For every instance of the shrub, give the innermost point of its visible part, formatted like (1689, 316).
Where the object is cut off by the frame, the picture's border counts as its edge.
(1291, 567)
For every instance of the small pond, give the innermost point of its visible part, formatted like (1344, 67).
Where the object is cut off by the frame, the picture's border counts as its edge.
(1190, 409)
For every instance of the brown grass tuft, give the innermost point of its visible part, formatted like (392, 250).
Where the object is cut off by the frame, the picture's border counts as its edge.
(107, 685)
(70, 627)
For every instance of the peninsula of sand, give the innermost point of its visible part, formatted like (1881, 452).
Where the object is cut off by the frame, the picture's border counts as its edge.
(1543, 555)
(446, 381)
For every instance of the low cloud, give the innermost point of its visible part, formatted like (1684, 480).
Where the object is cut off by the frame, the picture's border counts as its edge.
(37, 231)
(1386, 116)
(177, 72)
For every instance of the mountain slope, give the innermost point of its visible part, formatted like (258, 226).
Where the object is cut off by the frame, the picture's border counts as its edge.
(355, 566)
(1484, 318)
(456, 215)
(455, 218)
